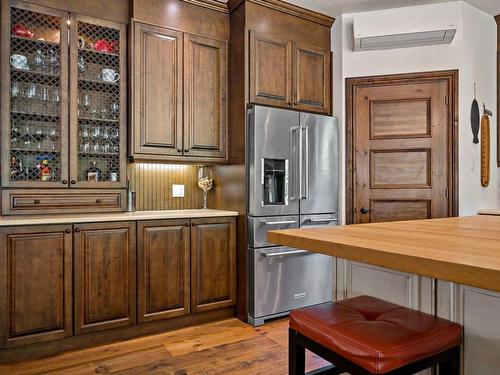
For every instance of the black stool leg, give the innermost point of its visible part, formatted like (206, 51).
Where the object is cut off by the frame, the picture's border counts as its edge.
(452, 365)
(296, 355)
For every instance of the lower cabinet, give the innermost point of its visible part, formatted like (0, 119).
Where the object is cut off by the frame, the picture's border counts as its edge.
(35, 284)
(213, 263)
(163, 269)
(105, 276)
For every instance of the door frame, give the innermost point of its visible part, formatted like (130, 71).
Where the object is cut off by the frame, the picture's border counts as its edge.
(451, 76)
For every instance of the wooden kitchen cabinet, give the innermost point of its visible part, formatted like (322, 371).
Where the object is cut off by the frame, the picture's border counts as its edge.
(270, 70)
(35, 284)
(311, 78)
(163, 269)
(205, 97)
(179, 84)
(213, 263)
(105, 276)
(157, 91)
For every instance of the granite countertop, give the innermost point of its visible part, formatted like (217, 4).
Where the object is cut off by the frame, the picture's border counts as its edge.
(114, 216)
(492, 211)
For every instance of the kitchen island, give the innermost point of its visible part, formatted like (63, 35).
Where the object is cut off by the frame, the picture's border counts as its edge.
(448, 267)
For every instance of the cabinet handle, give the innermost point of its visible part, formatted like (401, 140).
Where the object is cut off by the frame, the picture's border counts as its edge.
(193, 224)
(77, 230)
(186, 224)
(98, 201)
(37, 201)
(73, 182)
(68, 231)
(64, 182)
(179, 150)
(186, 150)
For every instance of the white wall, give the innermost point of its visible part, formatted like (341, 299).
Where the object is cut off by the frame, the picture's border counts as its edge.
(472, 52)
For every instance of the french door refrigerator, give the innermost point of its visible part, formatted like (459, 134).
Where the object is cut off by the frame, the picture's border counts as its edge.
(292, 167)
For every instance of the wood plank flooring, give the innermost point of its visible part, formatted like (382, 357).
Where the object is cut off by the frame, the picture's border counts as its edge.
(224, 347)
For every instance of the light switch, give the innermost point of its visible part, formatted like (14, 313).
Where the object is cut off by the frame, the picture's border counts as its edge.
(178, 191)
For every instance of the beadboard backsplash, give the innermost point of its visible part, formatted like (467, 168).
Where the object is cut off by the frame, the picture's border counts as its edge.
(153, 186)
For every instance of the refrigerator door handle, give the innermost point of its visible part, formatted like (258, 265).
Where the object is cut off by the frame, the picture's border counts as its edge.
(306, 169)
(294, 134)
(285, 253)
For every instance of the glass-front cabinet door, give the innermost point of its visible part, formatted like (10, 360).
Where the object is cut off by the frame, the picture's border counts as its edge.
(98, 103)
(34, 96)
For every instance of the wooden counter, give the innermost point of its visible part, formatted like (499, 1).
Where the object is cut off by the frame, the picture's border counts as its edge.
(463, 250)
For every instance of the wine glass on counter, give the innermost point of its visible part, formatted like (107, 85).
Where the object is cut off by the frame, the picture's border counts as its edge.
(205, 182)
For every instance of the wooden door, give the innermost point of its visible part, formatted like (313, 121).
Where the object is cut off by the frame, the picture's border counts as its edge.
(157, 91)
(213, 263)
(35, 284)
(205, 97)
(402, 140)
(34, 130)
(98, 103)
(270, 70)
(311, 78)
(163, 269)
(105, 287)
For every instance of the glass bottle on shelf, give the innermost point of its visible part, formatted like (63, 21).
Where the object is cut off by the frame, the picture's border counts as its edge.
(54, 62)
(113, 171)
(40, 61)
(93, 173)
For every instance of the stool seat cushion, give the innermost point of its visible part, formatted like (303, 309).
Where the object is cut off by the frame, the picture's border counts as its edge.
(374, 334)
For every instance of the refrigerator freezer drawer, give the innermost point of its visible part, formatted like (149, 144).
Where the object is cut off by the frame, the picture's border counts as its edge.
(259, 226)
(285, 279)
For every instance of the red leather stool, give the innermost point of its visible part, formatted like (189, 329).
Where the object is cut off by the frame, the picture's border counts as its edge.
(365, 335)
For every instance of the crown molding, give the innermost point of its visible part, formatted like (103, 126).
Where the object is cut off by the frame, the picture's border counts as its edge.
(285, 7)
(210, 4)
(497, 18)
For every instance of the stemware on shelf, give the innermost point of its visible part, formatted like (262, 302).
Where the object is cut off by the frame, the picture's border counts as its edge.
(205, 182)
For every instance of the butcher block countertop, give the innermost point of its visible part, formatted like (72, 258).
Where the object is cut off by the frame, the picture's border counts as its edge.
(116, 216)
(465, 250)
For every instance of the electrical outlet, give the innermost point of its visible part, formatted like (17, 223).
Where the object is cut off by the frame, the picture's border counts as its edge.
(178, 191)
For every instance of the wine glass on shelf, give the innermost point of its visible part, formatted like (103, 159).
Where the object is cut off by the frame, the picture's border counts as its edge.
(205, 182)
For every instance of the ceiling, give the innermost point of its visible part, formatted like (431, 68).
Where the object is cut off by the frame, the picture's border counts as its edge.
(336, 7)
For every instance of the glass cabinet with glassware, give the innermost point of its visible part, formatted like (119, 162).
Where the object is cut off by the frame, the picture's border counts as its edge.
(63, 99)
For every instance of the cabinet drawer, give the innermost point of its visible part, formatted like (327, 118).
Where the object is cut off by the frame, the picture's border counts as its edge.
(37, 201)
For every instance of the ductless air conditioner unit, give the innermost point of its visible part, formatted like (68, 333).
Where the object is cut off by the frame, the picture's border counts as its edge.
(405, 27)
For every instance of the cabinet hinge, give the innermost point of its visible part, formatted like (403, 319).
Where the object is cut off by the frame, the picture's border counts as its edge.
(446, 100)
(446, 193)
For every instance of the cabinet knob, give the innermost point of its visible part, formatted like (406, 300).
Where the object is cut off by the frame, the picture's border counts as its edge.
(77, 230)
(37, 201)
(193, 224)
(186, 224)
(364, 210)
(98, 201)
(179, 150)
(67, 231)
(73, 182)
(64, 182)
(186, 150)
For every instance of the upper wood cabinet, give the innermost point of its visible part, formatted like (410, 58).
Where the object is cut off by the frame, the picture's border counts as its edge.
(35, 284)
(163, 269)
(63, 99)
(270, 70)
(179, 95)
(105, 276)
(289, 74)
(213, 263)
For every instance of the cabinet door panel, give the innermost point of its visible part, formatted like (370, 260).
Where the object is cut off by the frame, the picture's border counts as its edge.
(270, 70)
(213, 263)
(35, 283)
(105, 294)
(157, 90)
(205, 86)
(311, 82)
(163, 269)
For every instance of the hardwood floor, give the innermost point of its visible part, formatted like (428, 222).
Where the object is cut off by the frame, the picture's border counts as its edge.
(223, 347)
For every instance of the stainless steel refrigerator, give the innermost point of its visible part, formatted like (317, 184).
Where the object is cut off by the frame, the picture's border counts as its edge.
(292, 167)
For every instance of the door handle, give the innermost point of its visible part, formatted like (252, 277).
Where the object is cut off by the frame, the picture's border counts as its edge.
(293, 141)
(320, 220)
(306, 169)
(364, 210)
(280, 222)
(286, 253)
